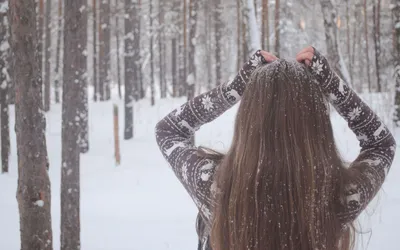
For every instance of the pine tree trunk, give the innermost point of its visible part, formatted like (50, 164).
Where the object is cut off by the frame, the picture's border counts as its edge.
(348, 37)
(239, 36)
(139, 91)
(4, 79)
(331, 37)
(161, 41)
(74, 84)
(218, 36)
(33, 193)
(377, 41)
(277, 29)
(58, 51)
(47, 56)
(367, 45)
(118, 52)
(104, 39)
(174, 47)
(40, 46)
(83, 112)
(265, 25)
(396, 53)
(151, 54)
(131, 14)
(95, 53)
(191, 79)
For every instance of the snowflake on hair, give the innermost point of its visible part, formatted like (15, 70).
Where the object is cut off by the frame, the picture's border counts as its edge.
(207, 103)
(354, 113)
(318, 66)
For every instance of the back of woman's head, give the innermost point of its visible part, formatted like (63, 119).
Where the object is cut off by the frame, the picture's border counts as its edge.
(279, 184)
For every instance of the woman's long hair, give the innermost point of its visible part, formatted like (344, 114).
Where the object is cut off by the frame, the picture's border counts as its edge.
(280, 182)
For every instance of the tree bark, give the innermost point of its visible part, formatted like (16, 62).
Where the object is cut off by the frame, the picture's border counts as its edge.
(191, 79)
(331, 36)
(118, 52)
(33, 193)
(265, 25)
(239, 36)
(104, 39)
(367, 45)
(4, 80)
(348, 37)
(47, 56)
(277, 29)
(58, 51)
(218, 37)
(95, 53)
(40, 44)
(377, 41)
(131, 14)
(75, 33)
(151, 54)
(396, 54)
(161, 42)
(174, 67)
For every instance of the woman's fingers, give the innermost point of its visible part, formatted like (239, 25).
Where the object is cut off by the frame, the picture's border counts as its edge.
(268, 56)
(305, 57)
(308, 49)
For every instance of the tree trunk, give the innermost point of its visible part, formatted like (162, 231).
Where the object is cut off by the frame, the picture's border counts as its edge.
(239, 36)
(131, 14)
(118, 52)
(58, 50)
(47, 56)
(151, 54)
(139, 91)
(367, 45)
(74, 82)
(83, 139)
(104, 39)
(33, 193)
(218, 37)
(331, 36)
(174, 67)
(348, 37)
(40, 44)
(95, 53)
(191, 79)
(161, 42)
(396, 53)
(277, 29)
(377, 41)
(4, 79)
(265, 25)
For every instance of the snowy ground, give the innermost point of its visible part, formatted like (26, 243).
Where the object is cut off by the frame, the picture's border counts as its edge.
(139, 205)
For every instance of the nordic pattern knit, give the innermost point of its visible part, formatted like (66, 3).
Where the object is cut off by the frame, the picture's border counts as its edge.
(195, 172)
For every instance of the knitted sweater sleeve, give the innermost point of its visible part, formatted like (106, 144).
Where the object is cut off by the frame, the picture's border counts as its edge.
(174, 133)
(377, 143)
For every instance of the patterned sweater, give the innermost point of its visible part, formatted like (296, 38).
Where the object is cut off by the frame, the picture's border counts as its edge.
(195, 172)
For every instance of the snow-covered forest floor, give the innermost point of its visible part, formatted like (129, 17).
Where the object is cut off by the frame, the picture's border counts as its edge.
(139, 205)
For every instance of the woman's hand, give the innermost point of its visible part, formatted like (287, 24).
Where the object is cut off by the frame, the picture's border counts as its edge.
(268, 56)
(318, 63)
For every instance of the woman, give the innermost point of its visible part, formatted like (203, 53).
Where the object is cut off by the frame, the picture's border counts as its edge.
(282, 184)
